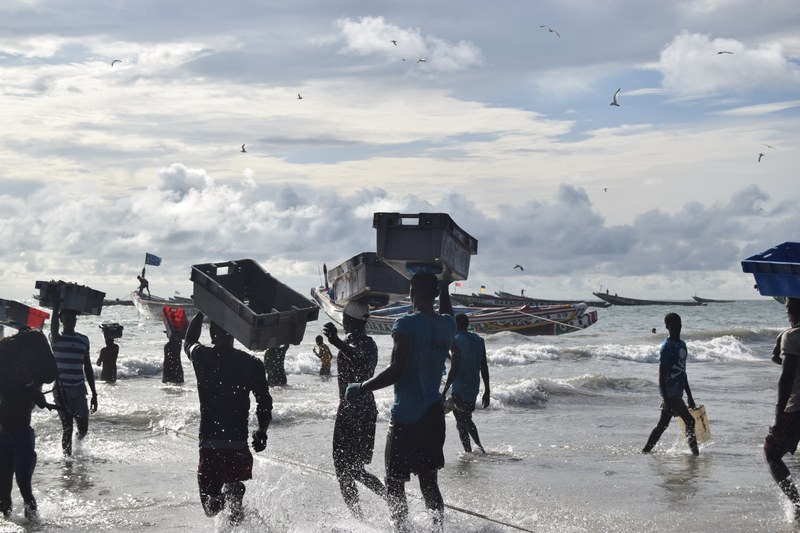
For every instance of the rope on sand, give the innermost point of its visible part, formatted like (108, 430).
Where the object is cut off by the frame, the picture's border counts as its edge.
(281, 459)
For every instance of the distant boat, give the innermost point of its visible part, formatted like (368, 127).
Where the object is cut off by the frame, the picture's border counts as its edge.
(524, 320)
(710, 301)
(153, 306)
(613, 299)
(117, 301)
(543, 301)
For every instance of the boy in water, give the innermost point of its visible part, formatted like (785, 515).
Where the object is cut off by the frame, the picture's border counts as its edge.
(785, 433)
(108, 361)
(324, 355)
(672, 381)
(468, 366)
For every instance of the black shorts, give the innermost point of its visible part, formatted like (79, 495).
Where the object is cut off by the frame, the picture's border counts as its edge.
(461, 405)
(220, 466)
(354, 434)
(784, 435)
(418, 447)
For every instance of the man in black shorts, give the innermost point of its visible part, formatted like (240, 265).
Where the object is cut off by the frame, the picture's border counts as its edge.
(225, 378)
(354, 430)
(785, 433)
(416, 431)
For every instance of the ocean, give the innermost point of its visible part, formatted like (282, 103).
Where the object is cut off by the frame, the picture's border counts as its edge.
(568, 418)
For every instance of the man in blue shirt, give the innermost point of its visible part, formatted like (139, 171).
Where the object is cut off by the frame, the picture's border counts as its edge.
(417, 430)
(466, 369)
(672, 381)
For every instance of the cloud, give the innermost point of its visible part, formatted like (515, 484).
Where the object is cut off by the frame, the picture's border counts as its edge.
(188, 217)
(760, 109)
(691, 67)
(373, 35)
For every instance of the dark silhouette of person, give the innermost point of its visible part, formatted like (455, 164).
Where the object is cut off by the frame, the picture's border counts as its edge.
(173, 368)
(274, 360)
(225, 378)
(416, 435)
(784, 434)
(354, 429)
(26, 362)
(108, 361)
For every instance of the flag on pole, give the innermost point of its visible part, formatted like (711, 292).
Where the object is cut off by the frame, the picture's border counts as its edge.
(150, 259)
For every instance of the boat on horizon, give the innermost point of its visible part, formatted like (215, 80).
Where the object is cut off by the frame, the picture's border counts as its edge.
(544, 301)
(613, 299)
(710, 301)
(522, 319)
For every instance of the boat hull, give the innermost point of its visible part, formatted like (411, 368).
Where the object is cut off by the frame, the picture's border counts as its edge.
(152, 307)
(529, 321)
(621, 300)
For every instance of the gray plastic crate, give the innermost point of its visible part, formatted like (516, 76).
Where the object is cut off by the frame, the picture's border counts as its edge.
(111, 330)
(408, 241)
(80, 298)
(364, 277)
(256, 309)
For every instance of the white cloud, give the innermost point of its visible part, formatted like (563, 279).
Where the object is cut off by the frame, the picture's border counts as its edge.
(691, 67)
(373, 35)
(760, 109)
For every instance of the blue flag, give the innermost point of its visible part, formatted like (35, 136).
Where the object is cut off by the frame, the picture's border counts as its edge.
(150, 259)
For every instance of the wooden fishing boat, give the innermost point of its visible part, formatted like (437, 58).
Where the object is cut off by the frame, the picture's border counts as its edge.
(525, 320)
(613, 299)
(710, 301)
(152, 307)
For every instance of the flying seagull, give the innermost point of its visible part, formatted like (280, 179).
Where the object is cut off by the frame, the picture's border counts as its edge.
(615, 101)
(605, 189)
(759, 157)
(769, 146)
(519, 267)
(422, 60)
(243, 150)
(551, 30)
(724, 52)
(116, 61)
(394, 43)
(299, 97)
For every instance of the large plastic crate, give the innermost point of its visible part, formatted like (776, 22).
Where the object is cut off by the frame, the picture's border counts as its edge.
(257, 309)
(366, 278)
(79, 298)
(777, 270)
(408, 241)
(175, 320)
(18, 315)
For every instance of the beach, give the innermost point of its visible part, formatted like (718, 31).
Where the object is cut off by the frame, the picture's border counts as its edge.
(568, 418)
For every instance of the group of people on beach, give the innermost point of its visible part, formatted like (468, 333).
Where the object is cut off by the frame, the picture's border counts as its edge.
(422, 341)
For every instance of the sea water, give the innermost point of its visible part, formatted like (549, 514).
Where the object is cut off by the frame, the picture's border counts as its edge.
(568, 418)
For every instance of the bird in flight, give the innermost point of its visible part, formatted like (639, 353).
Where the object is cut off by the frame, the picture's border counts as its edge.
(299, 97)
(724, 52)
(615, 100)
(759, 157)
(243, 150)
(394, 42)
(769, 146)
(422, 60)
(551, 30)
(116, 61)
(519, 267)
(605, 189)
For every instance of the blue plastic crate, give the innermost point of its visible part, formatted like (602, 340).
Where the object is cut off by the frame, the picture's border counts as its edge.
(777, 270)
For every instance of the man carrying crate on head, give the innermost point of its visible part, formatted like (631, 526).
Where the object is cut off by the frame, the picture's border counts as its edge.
(225, 378)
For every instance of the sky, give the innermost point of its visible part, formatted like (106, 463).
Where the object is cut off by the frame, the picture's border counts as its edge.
(477, 110)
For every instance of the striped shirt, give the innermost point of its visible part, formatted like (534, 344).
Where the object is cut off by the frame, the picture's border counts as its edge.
(69, 351)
